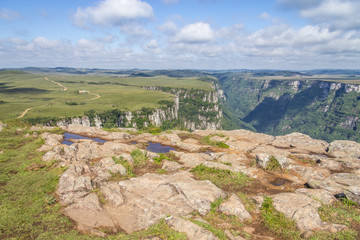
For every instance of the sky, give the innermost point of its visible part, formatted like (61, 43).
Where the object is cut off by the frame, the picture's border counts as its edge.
(180, 34)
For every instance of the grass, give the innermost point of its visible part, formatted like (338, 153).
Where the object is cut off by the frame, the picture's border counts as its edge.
(273, 164)
(139, 157)
(277, 222)
(19, 91)
(219, 144)
(224, 179)
(129, 169)
(164, 156)
(28, 206)
(341, 213)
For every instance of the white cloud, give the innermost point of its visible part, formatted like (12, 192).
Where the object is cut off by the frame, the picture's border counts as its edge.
(338, 14)
(45, 43)
(8, 15)
(113, 12)
(152, 44)
(168, 27)
(342, 14)
(195, 33)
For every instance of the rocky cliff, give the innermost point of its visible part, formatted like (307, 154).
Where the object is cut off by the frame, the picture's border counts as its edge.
(322, 109)
(191, 109)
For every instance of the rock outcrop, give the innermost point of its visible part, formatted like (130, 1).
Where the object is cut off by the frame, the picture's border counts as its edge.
(106, 186)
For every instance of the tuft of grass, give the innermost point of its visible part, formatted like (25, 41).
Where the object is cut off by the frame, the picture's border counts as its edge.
(206, 140)
(139, 157)
(248, 204)
(164, 156)
(224, 179)
(215, 205)
(273, 164)
(277, 222)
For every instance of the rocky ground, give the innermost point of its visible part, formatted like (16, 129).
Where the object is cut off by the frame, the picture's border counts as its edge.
(222, 180)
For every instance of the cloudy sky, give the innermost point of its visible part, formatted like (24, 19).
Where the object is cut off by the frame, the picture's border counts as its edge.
(176, 34)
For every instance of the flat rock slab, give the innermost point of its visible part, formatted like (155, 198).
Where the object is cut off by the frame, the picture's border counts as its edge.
(138, 203)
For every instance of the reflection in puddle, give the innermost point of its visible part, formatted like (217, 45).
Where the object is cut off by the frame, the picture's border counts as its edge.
(69, 136)
(158, 148)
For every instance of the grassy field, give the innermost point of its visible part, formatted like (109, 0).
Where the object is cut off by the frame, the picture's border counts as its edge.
(20, 91)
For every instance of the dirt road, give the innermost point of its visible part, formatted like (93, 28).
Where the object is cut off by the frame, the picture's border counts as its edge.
(60, 85)
(24, 112)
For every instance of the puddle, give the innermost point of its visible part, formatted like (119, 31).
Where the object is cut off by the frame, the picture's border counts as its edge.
(158, 148)
(279, 182)
(69, 136)
(134, 142)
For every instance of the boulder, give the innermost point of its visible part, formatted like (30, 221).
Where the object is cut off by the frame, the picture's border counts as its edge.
(343, 148)
(89, 212)
(191, 160)
(320, 195)
(234, 206)
(303, 210)
(171, 166)
(109, 164)
(263, 160)
(112, 194)
(192, 231)
(72, 185)
(301, 142)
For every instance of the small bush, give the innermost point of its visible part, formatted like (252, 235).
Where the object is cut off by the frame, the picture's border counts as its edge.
(273, 164)
(139, 157)
(71, 103)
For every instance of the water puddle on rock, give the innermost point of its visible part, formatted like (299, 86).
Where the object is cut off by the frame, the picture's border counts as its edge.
(69, 136)
(279, 182)
(158, 148)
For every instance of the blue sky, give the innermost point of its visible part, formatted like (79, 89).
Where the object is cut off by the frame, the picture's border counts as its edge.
(176, 34)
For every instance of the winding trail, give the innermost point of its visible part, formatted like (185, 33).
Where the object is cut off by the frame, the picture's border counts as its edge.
(96, 96)
(24, 112)
(60, 85)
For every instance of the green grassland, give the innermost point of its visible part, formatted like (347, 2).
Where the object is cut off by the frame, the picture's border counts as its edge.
(19, 91)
